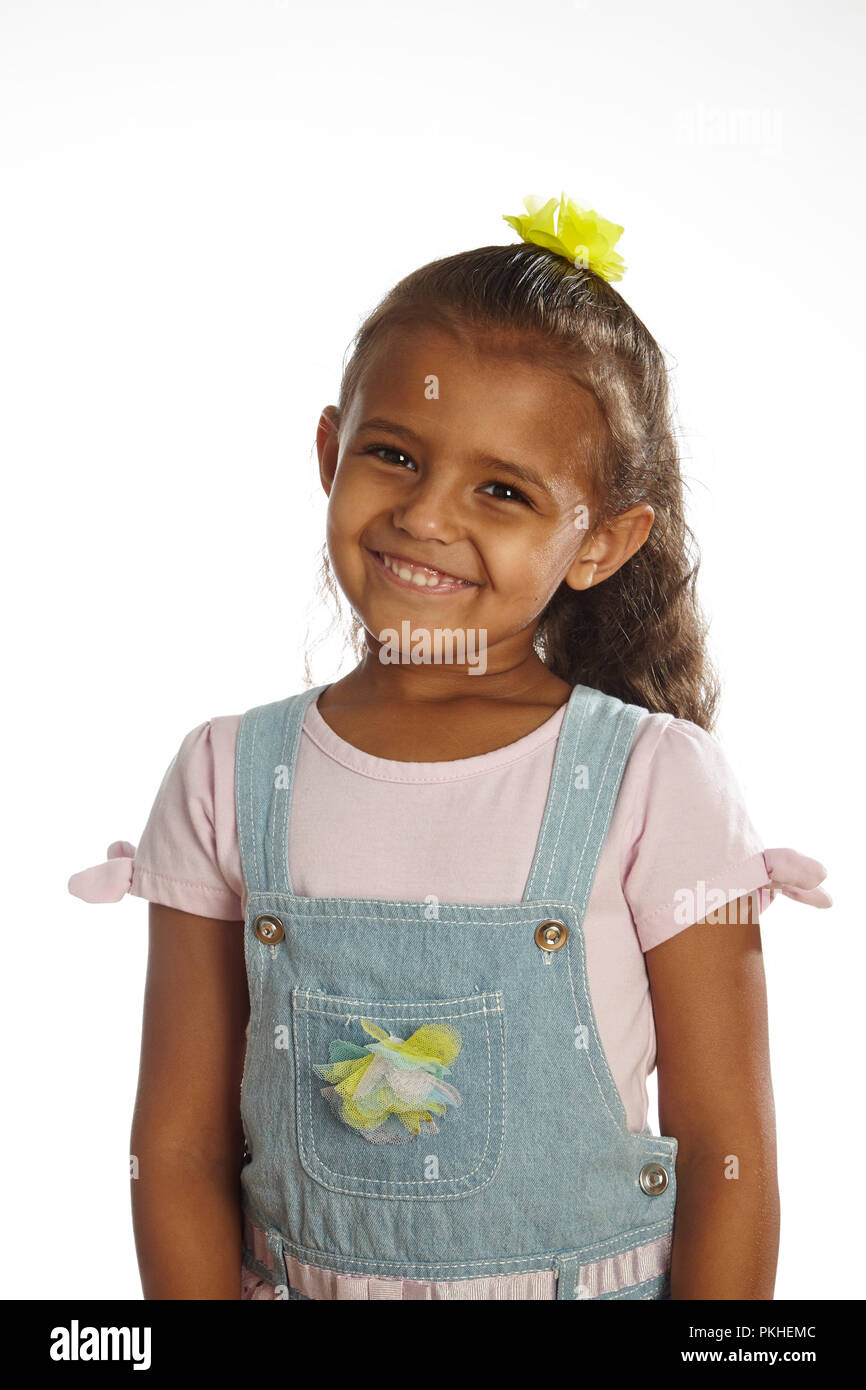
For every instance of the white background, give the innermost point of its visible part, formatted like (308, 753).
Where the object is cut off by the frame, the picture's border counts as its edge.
(202, 200)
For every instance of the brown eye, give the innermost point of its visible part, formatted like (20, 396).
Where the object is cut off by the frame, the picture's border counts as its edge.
(388, 449)
(513, 490)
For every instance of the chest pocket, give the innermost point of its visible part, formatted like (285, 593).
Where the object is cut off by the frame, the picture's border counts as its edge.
(400, 1100)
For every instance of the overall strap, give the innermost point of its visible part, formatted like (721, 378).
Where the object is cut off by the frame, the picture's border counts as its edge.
(267, 749)
(594, 744)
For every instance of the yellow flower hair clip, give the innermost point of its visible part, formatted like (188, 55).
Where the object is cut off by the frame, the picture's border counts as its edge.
(579, 234)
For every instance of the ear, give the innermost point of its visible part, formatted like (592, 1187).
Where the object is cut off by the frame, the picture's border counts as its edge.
(327, 445)
(606, 549)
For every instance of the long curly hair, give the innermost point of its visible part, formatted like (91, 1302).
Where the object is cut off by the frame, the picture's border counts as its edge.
(640, 634)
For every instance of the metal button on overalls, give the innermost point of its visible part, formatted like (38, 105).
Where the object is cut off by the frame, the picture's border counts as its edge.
(551, 935)
(653, 1179)
(268, 929)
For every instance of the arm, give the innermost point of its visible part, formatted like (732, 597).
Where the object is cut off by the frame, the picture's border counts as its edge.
(716, 1097)
(187, 1135)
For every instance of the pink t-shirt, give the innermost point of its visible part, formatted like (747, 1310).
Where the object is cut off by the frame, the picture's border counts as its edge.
(466, 831)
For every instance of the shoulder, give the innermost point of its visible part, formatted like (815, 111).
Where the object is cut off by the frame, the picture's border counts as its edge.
(682, 787)
(205, 749)
(187, 855)
(197, 787)
(687, 824)
(208, 752)
(667, 751)
(215, 734)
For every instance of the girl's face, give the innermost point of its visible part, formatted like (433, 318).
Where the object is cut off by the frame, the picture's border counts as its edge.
(462, 467)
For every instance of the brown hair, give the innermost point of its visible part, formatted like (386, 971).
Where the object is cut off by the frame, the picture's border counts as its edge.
(640, 634)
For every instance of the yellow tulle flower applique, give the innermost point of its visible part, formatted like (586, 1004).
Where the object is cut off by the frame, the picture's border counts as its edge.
(390, 1090)
(579, 234)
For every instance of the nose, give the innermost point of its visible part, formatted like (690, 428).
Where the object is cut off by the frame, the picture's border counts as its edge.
(431, 510)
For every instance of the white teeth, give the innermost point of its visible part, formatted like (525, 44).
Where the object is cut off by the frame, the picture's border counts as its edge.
(418, 577)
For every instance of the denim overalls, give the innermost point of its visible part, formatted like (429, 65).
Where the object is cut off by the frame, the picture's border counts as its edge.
(427, 1106)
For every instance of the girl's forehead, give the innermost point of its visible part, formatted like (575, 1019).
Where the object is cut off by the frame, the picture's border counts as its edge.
(472, 344)
(407, 358)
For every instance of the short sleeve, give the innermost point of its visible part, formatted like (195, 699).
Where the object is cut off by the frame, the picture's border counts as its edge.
(185, 858)
(691, 845)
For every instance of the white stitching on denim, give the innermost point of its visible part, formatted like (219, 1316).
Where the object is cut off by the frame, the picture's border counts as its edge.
(624, 1242)
(249, 767)
(568, 796)
(623, 1293)
(280, 803)
(383, 1005)
(421, 1182)
(556, 1258)
(529, 908)
(664, 1240)
(560, 770)
(280, 844)
(620, 1125)
(318, 1257)
(620, 1120)
(400, 1017)
(439, 1264)
(609, 1248)
(613, 784)
(293, 722)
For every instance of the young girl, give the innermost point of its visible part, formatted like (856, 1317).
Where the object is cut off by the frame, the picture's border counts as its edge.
(437, 921)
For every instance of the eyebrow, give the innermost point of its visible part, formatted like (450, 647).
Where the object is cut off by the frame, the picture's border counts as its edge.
(517, 470)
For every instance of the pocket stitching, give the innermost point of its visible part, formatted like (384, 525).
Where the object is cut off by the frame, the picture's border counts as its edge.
(306, 994)
(365, 1184)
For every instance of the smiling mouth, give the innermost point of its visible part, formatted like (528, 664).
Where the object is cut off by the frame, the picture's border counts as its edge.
(422, 578)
